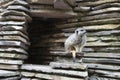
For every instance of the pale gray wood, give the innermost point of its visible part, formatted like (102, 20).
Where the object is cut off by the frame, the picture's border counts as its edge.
(16, 38)
(101, 60)
(100, 16)
(18, 8)
(14, 33)
(101, 11)
(106, 5)
(11, 78)
(13, 55)
(105, 73)
(48, 69)
(16, 13)
(13, 43)
(9, 61)
(62, 65)
(56, 77)
(9, 67)
(95, 3)
(47, 2)
(103, 66)
(5, 73)
(15, 50)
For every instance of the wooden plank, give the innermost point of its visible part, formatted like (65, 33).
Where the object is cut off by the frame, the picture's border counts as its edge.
(102, 44)
(12, 50)
(106, 5)
(45, 2)
(28, 74)
(13, 43)
(49, 70)
(14, 33)
(14, 18)
(12, 23)
(18, 8)
(53, 14)
(102, 55)
(100, 16)
(105, 73)
(90, 23)
(68, 65)
(101, 60)
(103, 66)
(11, 78)
(56, 77)
(10, 61)
(5, 73)
(95, 3)
(106, 10)
(13, 55)
(14, 38)
(9, 67)
(16, 13)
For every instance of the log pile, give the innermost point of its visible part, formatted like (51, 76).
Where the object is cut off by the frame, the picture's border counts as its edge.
(56, 71)
(14, 42)
(101, 20)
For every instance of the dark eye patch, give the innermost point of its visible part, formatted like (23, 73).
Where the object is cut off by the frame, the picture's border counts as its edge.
(81, 30)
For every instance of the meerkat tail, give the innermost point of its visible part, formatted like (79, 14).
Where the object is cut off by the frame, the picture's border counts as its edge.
(74, 55)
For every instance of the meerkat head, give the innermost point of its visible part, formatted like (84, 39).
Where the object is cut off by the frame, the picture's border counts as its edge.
(80, 31)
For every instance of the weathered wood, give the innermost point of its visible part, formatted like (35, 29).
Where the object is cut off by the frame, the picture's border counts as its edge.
(13, 43)
(13, 55)
(95, 3)
(9, 61)
(16, 13)
(94, 22)
(106, 5)
(100, 78)
(5, 73)
(53, 14)
(13, 23)
(101, 60)
(106, 10)
(24, 78)
(103, 66)
(9, 67)
(14, 33)
(49, 70)
(14, 18)
(60, 65)
(56, 77)
(102, 55)
(18, 8)
(82, 9)
(48, 2)
(17, 38)
(104, 73)
(100, 16)
(11, 78)
(12, 50)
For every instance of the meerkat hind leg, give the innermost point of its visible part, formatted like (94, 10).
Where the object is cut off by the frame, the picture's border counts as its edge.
(73, 55)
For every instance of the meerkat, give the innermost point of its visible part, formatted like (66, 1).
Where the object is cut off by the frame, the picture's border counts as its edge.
(75, 42)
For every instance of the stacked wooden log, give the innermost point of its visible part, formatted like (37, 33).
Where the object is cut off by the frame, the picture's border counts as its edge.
(101, 20)
(14, 42)
(56, 71)
(103, 65)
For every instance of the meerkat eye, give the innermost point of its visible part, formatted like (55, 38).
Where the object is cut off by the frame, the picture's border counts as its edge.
(82, 30)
